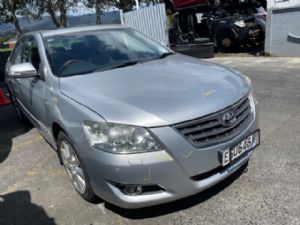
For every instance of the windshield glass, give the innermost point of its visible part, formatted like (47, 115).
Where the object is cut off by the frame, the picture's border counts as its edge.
(81, 53)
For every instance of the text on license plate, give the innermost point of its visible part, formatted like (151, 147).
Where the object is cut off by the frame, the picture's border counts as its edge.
(232, 153)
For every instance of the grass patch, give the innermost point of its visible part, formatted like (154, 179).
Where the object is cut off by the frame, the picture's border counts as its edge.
(5, 49)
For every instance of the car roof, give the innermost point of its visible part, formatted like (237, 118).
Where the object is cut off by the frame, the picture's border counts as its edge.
(59, 31)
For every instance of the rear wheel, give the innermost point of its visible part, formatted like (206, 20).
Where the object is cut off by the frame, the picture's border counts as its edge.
(74, 168)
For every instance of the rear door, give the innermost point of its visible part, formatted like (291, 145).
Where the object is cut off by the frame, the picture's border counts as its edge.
(14, 83)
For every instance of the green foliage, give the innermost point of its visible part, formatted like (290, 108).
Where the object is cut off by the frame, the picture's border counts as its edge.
(10, 9)
(5, 49)
(99, 6)
(127, 5)
(18, 7)
(57, 9)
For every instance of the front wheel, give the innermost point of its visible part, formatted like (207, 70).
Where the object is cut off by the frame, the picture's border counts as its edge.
(74, 168)
(226, 41)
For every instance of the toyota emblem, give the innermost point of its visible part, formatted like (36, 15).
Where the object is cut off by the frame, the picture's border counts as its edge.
(228, 119)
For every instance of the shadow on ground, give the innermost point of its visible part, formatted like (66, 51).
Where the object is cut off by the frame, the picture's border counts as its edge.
(16, 208)
(182, 204)
(10, 127)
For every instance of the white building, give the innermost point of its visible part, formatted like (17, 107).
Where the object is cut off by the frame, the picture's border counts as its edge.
(282, 3)
(283, 28)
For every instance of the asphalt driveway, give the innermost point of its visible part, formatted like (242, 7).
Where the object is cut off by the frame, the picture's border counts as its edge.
(34, 188)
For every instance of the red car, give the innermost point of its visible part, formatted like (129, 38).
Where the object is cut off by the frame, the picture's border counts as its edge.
(178, 4)
(184, 3)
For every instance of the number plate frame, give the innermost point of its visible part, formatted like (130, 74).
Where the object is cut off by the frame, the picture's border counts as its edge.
(229, 155)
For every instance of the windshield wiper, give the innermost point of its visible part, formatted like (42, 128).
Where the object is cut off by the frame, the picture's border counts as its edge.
(163, 55)
(133, 62)
(129, 63)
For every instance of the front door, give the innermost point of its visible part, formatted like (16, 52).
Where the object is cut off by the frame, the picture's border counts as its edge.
(33, 89)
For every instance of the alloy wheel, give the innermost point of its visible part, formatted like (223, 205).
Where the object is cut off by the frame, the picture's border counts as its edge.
(72, 166)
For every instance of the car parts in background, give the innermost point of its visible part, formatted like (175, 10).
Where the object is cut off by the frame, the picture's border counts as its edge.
(204, 22)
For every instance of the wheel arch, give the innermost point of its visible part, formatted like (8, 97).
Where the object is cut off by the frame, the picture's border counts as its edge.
(56, 129)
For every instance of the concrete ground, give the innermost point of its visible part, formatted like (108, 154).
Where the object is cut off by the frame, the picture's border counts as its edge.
(34, 188)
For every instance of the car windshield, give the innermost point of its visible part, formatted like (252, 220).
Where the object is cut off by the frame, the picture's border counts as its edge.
(87, 52)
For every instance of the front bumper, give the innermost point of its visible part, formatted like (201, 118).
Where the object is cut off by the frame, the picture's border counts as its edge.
(173, 169)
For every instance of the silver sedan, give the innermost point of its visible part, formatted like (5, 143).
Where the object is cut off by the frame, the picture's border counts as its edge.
(132, 121)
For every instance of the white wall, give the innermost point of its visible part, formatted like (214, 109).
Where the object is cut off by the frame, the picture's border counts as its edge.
(283, 31)
(151, 21)
(278, 4)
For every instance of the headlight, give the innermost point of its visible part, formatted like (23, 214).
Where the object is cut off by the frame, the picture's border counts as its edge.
(117, 138)
(240, 23)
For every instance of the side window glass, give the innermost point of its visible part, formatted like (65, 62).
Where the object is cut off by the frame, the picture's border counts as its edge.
(16, 57)
(31, 53)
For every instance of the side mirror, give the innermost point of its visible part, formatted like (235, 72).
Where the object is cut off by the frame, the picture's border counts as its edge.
(22, 70)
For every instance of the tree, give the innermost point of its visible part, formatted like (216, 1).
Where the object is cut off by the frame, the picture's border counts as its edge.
(153, 2)
(99, 6)
(125, 5)
(57, 9)
(9, 9)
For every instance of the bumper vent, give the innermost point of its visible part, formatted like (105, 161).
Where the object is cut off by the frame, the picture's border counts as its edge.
(217, 127)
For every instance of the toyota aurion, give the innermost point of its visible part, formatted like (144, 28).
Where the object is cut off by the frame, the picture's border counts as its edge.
(133, 122)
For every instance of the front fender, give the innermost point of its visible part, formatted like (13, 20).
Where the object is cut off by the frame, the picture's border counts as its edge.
(69, 115)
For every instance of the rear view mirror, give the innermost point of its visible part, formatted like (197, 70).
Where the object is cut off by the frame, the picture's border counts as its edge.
(22, 70)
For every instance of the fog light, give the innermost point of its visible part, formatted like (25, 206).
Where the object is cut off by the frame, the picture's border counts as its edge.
(133, 189)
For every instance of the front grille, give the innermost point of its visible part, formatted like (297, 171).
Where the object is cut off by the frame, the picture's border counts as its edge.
(211, 129)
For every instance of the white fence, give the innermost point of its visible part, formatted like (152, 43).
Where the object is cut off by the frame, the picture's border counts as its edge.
(151, 21)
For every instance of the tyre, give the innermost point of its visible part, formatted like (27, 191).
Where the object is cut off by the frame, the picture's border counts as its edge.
(261, 37)
(226, 41)
(74, 168)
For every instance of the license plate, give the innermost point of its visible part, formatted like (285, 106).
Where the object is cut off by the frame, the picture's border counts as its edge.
(231, 154)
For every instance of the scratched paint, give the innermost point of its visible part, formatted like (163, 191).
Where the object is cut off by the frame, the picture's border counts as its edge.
(148, 175)
(55, 100)
(158, 156)
(188, 155)
(208, 93)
